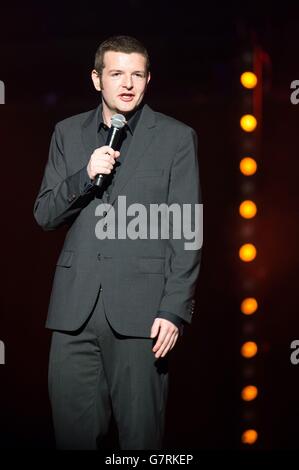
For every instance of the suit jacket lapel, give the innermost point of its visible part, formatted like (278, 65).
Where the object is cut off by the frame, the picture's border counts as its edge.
(142, 137)
(89, 133)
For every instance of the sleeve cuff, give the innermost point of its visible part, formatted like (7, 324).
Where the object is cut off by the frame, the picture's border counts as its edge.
(86, 183)
(177, 321)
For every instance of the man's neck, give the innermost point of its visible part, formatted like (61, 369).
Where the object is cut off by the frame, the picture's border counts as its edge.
(107, 115)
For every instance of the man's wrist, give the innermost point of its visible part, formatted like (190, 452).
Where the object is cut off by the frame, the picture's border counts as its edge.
(175, 319)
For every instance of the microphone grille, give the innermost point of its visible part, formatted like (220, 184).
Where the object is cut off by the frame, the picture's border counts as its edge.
(118, 121)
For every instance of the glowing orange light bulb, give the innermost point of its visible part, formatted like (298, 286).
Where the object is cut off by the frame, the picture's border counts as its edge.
(249, 393)
(247, 209)
(249, 306)
(248, 123)
(249, 349)
(249, 436)
(248, 166)
(247, 252)
(248, 80)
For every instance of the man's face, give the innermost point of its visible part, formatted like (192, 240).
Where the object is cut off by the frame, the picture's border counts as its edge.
(122, 83)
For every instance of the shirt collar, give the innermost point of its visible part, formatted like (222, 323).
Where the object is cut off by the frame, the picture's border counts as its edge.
(132, 119)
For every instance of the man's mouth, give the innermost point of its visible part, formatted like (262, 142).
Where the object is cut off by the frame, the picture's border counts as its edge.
(126, 96)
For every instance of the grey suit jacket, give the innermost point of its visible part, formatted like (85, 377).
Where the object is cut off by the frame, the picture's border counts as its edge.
(139, 276)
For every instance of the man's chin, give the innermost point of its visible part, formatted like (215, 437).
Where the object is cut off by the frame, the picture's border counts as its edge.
(127, 108)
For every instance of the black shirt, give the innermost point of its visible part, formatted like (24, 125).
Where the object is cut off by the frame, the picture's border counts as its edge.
(123, 144)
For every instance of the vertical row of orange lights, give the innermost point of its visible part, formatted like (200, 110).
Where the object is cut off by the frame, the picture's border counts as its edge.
(248, 253)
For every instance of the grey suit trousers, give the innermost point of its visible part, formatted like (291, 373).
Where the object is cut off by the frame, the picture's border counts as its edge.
(95, 371)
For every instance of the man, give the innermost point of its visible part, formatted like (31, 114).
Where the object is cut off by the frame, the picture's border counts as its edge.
(117, 303)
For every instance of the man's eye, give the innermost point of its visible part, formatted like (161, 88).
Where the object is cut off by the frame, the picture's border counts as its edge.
(139, 75)
(115, 74)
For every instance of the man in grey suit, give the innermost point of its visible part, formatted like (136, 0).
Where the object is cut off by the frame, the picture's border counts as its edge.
(119, 301)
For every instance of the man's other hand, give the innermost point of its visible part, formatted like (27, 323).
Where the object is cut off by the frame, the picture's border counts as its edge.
(167, 336)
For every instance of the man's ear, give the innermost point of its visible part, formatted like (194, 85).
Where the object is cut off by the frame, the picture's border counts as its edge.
(96, 80)
(148, 78)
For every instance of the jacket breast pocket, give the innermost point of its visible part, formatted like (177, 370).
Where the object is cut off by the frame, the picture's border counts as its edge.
(149, 185)
(151, 265)
(65, 259)
(149, 173)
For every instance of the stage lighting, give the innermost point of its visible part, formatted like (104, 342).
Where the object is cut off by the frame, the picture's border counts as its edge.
(249, 349)
(247, 252)
(249, 436)
(248, 123)
(248, 166)
(248, 80)
(247, 209)
(249, 306)
(249, 393)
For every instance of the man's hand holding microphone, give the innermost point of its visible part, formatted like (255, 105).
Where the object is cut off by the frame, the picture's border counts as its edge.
(102, 161)
(103, 158)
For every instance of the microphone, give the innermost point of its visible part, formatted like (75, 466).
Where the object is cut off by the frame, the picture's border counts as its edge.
(117, 123)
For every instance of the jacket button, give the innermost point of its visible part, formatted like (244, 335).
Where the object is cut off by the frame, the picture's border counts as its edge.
(71, 197)
(99, 256)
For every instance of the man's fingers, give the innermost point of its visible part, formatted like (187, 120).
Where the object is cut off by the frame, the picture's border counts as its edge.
(176, 335)
(175, 339)
(168, 346)
(171, 344)
(105, 152)
(106, 164)
(155, 328)
(165, 346)
(105, 149)
(165, 342)
(109, 150)
(102, 169)
(102, 160)
(162, 335)
(107, 158)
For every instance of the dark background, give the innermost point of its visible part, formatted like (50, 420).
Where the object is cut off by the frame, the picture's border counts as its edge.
(46, 53)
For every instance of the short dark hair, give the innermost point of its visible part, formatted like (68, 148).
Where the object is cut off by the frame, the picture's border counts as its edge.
(126, 44)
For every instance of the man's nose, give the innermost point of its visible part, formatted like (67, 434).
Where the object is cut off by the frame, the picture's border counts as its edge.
(128, 82)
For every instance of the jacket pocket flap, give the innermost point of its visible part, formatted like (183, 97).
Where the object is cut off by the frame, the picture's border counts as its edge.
(151, 265)
(65, 259)
(149, 172)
